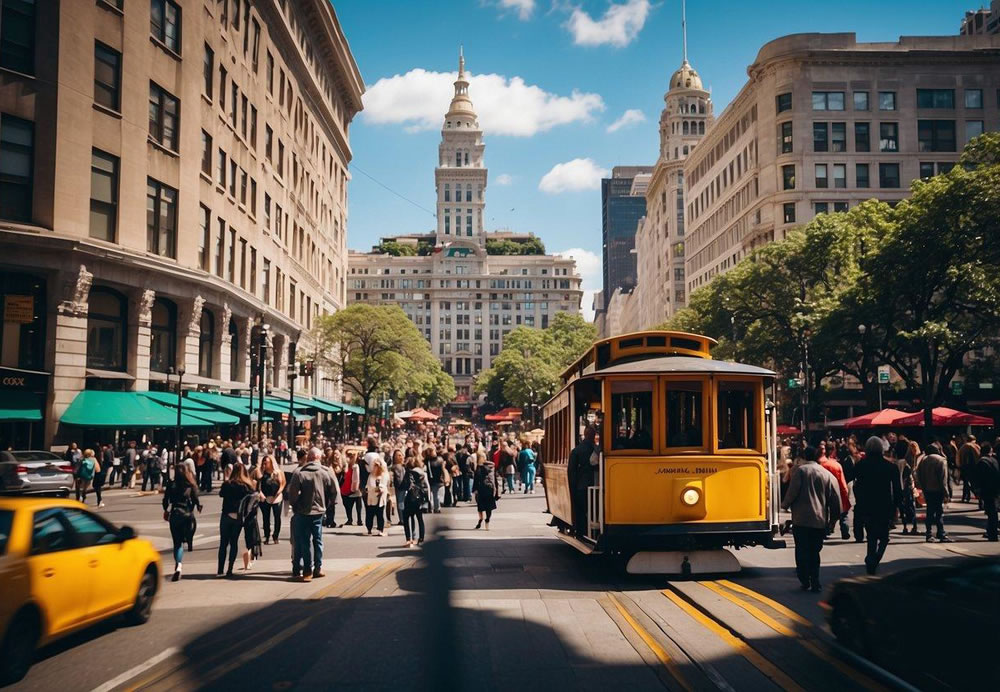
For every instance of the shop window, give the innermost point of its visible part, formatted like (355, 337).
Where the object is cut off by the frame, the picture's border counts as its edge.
(106, 321)
(163, 336)
(206, 344)
(685, 425)
(737, 415)
(632, 415)
(234, 352)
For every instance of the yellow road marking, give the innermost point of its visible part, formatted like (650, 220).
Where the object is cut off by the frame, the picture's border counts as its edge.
(359, 572)
(778, 627)
(787, 612)
(654, 645)
(770, 670)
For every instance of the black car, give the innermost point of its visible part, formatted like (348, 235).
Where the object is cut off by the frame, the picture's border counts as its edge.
(933, 626)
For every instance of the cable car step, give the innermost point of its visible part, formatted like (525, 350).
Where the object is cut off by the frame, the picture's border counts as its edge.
(683, 562)
(585, 547)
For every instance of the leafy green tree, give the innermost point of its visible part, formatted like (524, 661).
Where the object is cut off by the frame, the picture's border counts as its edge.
(395, 248)
(572, 335)
(508, 246)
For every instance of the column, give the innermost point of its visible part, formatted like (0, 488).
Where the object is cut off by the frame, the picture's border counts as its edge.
(139, 337)
(225, 341)
(69, 339)
(189, 331)
(277, 360)
(247, 336)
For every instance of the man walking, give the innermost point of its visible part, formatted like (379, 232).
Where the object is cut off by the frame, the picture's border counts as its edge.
(129, 465)
(987, 479)
(309, 489)
(877, 491)
(968, 457)
(815, 500)
(932, 479)
(581, 474)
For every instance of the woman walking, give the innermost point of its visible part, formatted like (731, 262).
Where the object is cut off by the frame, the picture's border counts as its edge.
(376, 494)
(416, 489)
(398, 473)
(350, 490)
(271, 484)
(180, 497)
(487, 489)
(907, 469)
(233, 491)
(84, 474)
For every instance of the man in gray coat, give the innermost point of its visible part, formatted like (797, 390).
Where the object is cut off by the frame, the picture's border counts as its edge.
(309, 490)
(814, 499)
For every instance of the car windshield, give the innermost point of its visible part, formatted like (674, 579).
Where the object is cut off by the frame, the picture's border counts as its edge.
(6, 521)
(35, 456)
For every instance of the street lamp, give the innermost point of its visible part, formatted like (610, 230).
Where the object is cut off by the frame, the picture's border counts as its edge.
(180, 407)
(291, 394)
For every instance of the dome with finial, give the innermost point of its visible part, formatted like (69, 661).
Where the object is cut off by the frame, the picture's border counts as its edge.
(461, 104)
(685, 78)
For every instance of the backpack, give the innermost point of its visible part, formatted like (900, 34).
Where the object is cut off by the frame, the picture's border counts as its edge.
(86, 469)
(345, 487)
(414, 493)
(488, 481)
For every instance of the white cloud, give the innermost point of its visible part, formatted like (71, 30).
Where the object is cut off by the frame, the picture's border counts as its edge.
(524, 8)
(578, 174)
(588, 266)
(619, 26)
(504, 179)
(629, 117)
(419, 99)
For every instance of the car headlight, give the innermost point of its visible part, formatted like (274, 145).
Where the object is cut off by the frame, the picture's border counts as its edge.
(690, 496)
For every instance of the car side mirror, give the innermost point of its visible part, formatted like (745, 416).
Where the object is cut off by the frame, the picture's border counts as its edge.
(126, 533)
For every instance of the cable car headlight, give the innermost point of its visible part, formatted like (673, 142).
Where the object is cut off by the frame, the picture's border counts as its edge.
(690, 496)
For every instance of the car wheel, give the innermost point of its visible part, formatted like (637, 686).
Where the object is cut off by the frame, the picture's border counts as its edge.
(848, 626)
(17, 651)
(143, 606)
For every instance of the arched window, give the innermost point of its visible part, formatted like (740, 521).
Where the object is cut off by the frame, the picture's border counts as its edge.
(106, 322)
(234, 352)
(163, 336)
(701, 106)
(701, 127)
(685, 127)
(206, 343)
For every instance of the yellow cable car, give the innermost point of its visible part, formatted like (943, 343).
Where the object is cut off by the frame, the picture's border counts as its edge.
(683, 464)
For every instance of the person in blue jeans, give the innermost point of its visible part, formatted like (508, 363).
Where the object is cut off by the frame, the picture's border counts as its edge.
(526, 460)
(309, 490)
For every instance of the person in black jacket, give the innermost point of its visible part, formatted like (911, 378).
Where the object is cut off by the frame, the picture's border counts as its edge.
(987, 484)
(876, 491)
(180, 497)
(580, 475)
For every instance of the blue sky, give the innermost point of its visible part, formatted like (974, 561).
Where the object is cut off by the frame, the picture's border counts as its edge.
(550, 77)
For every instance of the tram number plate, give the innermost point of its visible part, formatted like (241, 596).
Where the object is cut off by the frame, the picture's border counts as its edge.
(686, 470)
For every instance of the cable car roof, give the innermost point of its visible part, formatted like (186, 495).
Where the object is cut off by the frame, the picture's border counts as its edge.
(681, 365)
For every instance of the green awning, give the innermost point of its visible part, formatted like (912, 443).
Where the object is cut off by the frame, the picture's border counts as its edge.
(235, 405)
(301, 403)
(350, 408)
(317, 404)
(99, 409)
(17, 405)
(194, 407)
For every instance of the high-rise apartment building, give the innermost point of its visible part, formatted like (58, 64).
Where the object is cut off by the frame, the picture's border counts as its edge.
(825, 122)
(982, 21)
(460, 296)
(171, 174)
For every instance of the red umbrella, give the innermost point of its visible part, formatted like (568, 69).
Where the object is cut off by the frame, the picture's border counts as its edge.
(942, 416)
(788, 430)
(419, 414)
(888, 416)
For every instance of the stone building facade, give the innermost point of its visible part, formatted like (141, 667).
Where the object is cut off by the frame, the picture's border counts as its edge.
(176, 172)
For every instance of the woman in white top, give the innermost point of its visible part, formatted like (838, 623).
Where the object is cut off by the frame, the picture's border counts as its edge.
(376, 493)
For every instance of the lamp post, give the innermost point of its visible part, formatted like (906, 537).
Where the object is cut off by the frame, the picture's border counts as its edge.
(291, 395)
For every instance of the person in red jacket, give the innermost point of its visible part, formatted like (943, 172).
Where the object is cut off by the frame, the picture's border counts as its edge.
(829, 461)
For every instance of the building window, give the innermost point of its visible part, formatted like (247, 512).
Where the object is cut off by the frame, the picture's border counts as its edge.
(234, 93)
(269, 69)
(973, 128)
(888, 136)
(840, 175)
(820, 208)
(821, 176)
(206, 153)
(935, 98)
(17, 36)
(935, 135)
(165, 23)
(232, 178)
(231, 266)
(163, 336)
(253, 127)
(161, 219)
(17, 156)
(860, 100)
(206, 343)
(268, 140)
(887, 100)
(103, 195)
(862, 137)
(828, 100)
(205, 242)
(973, 98)
(788, 177)
(222, 88)
(926, 169)
(253, 270)
(221, 168)
(255, 43)
(447, 192)
(107, 76)
(838, 136)
(789, 212)
(265, 282)
(861, 175)
(839, 207)
(447, 224)
(106, 320)
(820, 137)
(164, 114)
(888, 175)
(468, 224)
(209, 71)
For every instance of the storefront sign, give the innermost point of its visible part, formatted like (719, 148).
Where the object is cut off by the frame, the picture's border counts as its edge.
(25, 380)
(20, 309)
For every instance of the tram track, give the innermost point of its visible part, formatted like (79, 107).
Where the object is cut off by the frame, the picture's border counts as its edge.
(684, 629)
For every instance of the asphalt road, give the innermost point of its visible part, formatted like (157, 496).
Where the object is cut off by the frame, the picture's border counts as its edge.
(512, 608)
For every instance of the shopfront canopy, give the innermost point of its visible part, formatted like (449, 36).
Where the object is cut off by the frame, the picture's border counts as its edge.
(315, 404)
(943, 417)
(875, 419)
(17, 405)
(100, 409)
(237, 406)
(194, 407)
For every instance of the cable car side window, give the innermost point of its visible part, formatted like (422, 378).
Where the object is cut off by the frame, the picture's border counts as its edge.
(632, 414)
(737, 415)
(685, 413)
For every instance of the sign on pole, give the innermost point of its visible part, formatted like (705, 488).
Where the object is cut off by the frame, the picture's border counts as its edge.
(883, 374)
(956, 388)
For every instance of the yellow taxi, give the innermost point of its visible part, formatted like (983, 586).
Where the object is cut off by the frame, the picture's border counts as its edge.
(63, 568)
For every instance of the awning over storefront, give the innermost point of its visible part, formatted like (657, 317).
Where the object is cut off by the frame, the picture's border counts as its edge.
(236, 405)
(18, 405)
(350, 408)
(194, 407)
(321, 405)
(101, 409)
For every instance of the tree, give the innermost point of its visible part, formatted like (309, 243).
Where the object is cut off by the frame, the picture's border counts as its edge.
(509, 246)
(395, 248)
(377, 351)
(572, 335)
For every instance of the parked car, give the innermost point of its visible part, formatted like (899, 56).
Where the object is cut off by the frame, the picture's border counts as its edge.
(63, 568)
(933, 626)
(35, 471)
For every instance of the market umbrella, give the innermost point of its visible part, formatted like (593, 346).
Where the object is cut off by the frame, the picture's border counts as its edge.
(888, 416)
(942, 416)
(788, 430)
(421, 415)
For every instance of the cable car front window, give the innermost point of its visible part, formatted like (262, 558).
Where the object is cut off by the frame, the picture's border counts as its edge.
(737, 413)
(685, 426)
(632, 414)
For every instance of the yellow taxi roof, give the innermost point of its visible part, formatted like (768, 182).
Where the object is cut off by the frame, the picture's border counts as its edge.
(21, 502)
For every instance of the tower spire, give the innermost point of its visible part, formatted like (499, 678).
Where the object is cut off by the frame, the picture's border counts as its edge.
(461, 61)
(684, 31)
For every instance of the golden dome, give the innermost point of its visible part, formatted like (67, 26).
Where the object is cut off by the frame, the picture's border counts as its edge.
(685, 78)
